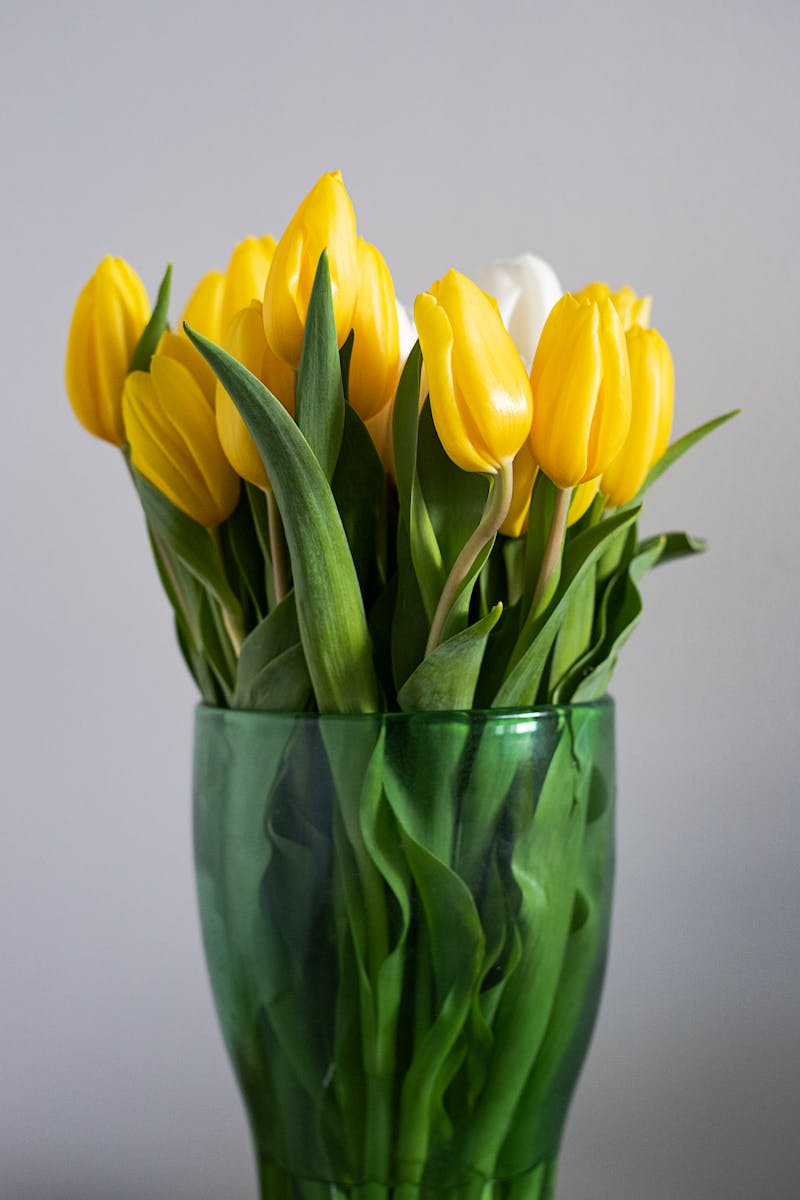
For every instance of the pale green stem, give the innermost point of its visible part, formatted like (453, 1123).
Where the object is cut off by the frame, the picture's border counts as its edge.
(495, 512)
(277, 547)
(234, 631)
(231, 621)
(552, 549)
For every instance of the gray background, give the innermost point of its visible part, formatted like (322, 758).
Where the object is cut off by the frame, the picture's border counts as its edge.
(654, 144)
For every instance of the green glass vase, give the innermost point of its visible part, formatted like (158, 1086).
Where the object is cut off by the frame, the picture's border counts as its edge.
(405, 919)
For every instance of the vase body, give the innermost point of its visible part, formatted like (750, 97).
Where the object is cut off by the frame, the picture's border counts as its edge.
(405, 920)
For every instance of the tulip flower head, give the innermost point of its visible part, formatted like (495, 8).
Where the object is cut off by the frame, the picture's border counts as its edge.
(375, 361)
(480, 395)
(173, 440)
(109, 318)
(526, 288)
(246, 341)
(581, 391)
(632, 309)
(652, 391)
(245, 277)
(325, 220)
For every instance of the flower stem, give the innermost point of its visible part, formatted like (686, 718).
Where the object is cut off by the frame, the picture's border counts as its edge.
(277, 547)
(552, 549)
(495, 512)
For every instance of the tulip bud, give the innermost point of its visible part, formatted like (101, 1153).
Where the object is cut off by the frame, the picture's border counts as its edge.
(652, 389)
(480, 395)
(246, 341)
(109, 318)
(203, 310)
(217, 298)
(525, 471)
(324, 221)
(245, 278)
(375, 361)
(174, 444)
(581, 391)
(632, 309)
(526, 288)
(178, 346)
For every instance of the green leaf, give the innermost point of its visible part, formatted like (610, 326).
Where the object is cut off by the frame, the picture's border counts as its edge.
(358, 487)
(675, 545)
(539, 521)
(239, 536)
(620, 610)
(271, 638)
(345, 355)
(282, 685)
(410, 623)
(575, 634)
(215, 644)
(415, 520)
(446, 679)
(522, 683)
(455, 499)
(319, 395)
(679, 448)
(151, 334)
(258, 509)
(404, 425)
(188, 540)
(627, 611)
(333, 627)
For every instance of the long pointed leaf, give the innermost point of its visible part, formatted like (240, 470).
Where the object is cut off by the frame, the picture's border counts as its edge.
(188, 540)
(446, 679)
(319, 393)
(151, 334)
(522, 682)
(679, 448)
(333, 626)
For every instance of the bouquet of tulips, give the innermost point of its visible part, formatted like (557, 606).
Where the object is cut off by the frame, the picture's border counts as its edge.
(343, 522)
(405, 917)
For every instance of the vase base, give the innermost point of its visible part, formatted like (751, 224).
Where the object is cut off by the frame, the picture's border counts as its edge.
(279, 1184)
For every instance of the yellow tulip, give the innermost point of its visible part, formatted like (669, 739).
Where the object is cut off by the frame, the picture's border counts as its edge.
(632, 309)
(480, 394)
(324, 221)
(203, 310)
(581, 500)
(652, 391)
(109, 318)
(581, 391)
(178, 346)
(375, 361)
(174, 444)
(246, 341)
(245, 278)
(217, 298)
(525, 471)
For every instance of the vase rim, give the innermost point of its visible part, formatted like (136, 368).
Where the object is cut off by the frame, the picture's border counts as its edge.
(538, 712)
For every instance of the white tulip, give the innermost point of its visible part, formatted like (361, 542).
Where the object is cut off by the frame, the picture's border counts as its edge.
(525, 288)
(406, 331)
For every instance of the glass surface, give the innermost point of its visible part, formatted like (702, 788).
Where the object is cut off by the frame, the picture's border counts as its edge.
(405, 920)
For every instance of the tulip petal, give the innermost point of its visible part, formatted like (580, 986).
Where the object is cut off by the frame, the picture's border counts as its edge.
(612, 412)
(436, 343)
